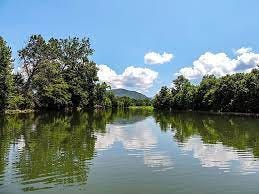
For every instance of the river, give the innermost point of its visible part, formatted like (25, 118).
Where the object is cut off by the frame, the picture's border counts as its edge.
(136, 151)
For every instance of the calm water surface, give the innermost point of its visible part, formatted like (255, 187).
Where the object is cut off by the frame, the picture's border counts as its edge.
(128, 152)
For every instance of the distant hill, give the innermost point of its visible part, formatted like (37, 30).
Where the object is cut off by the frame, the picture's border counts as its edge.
(128, 93)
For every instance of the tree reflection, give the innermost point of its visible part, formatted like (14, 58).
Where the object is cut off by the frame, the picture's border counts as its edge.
(232, 131)
(48, 149)
(52, 148)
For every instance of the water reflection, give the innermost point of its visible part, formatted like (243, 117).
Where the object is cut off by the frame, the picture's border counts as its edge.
(228, 143)
(218, 155)
(138, 137)
(47, 149)
(42, 151)
(54, 151)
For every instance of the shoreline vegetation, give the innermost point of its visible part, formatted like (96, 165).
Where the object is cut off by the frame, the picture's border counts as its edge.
(57, 74)
(149, 109)
(237, 93)
(18, 111)
(241, 114)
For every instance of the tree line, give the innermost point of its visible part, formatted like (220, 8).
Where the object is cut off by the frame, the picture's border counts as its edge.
(54, 74)
(59, 74)
(238, 92)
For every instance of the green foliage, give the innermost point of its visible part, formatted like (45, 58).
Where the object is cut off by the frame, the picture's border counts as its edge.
(183, 94)
(58, 73)
(126, 102)
(110, 100)
(231, 93)
(147, 108)
(51, 90)
(205, 93)
(100, 95)
(163, 99)
(6, 78)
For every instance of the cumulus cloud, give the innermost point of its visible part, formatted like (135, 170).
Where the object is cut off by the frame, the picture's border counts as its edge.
(156, 58)
(221, 64)
(132, 78)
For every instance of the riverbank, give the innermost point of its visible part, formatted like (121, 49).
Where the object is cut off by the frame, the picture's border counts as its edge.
(149, 108)
(231, 113)
(19, 111)
(220, 113)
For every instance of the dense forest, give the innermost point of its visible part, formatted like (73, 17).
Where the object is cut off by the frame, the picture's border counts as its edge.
(54, 74)
(231, 93)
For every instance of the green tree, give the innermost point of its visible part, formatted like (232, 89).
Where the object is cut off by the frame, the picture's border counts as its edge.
(51, 91)
(163, 99)
(238, 92)
(111, 100)
(79, 72)
(69, 60)
(6, 78)
(100, 94)
(250, 92)
(204, 99)
(183, 94)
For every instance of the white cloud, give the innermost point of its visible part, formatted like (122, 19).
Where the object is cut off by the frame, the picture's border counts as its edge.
(243, 50)
(156, 58)
(221, 64)
(132, 78)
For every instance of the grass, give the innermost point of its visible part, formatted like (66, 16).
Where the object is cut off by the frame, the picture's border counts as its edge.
(18, 111)
(149, 108)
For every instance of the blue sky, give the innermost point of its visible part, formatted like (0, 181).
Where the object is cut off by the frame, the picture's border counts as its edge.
(122, 32)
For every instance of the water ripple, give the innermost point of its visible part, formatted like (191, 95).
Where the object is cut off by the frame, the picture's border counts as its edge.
(220, 156)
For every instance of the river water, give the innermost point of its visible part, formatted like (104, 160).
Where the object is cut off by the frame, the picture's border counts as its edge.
(128, 152)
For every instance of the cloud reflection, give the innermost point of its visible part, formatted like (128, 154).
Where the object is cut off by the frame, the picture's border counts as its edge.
(136, 137)
(220, 156)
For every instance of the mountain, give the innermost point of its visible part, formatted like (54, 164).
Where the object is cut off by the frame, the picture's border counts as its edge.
(128, 93)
